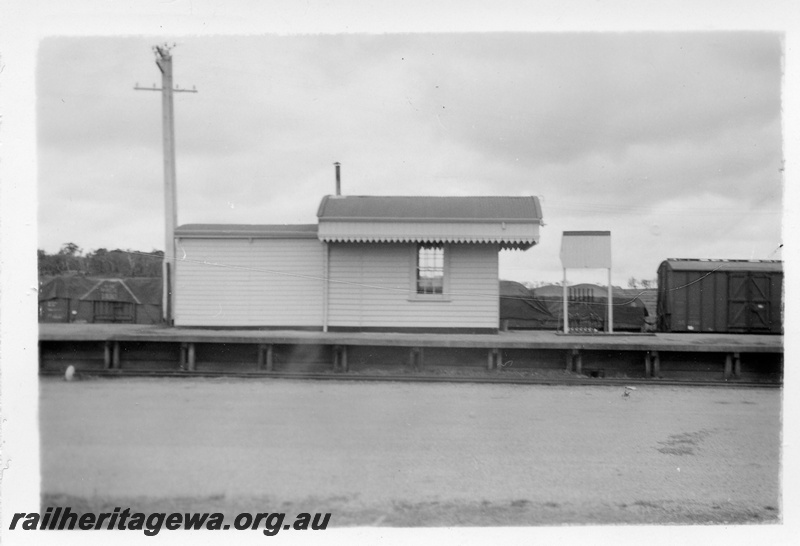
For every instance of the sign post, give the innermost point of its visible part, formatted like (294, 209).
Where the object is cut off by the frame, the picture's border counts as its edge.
(586, 250)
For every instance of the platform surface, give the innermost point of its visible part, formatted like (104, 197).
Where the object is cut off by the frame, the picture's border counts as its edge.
(749, 343)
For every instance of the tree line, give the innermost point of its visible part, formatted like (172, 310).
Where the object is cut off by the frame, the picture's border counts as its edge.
(633, 282)
(71, 260)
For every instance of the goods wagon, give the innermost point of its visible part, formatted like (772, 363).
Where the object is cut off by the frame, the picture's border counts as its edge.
(721, 296)
(83, 299)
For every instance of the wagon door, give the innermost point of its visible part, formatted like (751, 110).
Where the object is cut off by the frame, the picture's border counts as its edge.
(114, 311)
(748, 302)
(760, 302)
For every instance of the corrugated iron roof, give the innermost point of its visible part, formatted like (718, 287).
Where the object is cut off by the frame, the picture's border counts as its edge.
(430, 208)
(722, 265)
(260, 231)
(68, 287)
(511, 222)
(111, 290)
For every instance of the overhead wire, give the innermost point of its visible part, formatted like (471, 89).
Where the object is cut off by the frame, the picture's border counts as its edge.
(323, 278)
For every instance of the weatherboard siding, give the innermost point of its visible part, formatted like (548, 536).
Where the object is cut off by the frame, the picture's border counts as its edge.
(249, 282)
(371, 286)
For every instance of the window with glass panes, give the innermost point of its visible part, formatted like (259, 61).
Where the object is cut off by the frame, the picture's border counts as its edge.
(430, 269)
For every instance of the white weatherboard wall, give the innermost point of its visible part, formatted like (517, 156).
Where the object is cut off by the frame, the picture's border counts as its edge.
(371, 287)
(249, 282)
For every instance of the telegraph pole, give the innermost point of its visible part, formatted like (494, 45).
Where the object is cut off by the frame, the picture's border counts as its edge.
(164, 63)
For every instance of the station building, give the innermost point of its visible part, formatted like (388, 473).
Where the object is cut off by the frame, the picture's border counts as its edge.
(371, 263)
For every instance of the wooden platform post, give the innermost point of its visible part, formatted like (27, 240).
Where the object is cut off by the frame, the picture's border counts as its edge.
(656, 364)
(576, 354)
(416, 358)
(728, 365)
(115, 356)
(737, 365)
(107, 355)
(495, 359)
(340, 358)
(261, 360)
(648, 371)
(182, 359)
(190, 360)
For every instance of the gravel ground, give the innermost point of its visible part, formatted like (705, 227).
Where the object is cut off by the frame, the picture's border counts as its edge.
(414, 454)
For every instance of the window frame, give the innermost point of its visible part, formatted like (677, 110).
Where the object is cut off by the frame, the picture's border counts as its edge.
(414, 295)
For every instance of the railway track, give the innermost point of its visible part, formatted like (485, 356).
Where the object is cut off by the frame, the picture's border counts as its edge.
(331, 376)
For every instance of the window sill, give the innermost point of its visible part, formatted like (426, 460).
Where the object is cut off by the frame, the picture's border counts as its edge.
(430, 298)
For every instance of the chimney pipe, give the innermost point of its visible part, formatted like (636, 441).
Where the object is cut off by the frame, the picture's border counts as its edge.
(338, 178)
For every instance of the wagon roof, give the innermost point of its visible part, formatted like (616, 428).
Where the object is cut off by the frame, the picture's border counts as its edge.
(722, 265)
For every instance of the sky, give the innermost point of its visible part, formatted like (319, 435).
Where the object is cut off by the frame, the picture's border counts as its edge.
(670, 140)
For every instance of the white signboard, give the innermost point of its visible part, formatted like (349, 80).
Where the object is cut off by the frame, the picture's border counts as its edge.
(586, 250)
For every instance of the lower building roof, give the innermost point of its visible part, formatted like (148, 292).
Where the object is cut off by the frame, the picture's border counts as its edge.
(255, 231)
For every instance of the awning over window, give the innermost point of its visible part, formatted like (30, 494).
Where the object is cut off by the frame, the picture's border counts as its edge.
(511, 222)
